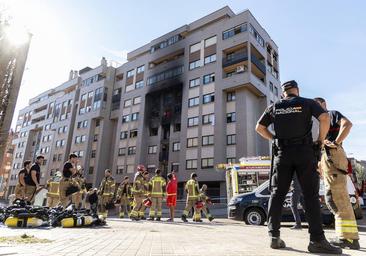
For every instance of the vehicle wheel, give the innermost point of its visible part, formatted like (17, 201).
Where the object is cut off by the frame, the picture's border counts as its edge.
(254, 216)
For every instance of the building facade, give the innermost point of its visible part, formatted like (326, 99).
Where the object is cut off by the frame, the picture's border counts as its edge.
(187, 101)
(12, 63)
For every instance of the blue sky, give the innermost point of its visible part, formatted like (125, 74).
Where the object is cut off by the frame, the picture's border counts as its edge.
(322, 44)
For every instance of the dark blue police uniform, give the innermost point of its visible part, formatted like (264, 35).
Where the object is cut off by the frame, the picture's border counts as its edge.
(292, 122)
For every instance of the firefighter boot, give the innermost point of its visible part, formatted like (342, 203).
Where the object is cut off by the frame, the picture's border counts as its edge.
(323, 246)
(277, 243)
(346, 243)
(184, 218)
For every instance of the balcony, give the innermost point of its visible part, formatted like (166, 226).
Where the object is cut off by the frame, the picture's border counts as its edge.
(258, 64)
(234, 58)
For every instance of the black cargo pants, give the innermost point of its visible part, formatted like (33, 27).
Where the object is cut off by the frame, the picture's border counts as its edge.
(299, 159)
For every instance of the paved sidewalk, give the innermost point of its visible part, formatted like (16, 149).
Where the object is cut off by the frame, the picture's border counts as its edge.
(123, 237)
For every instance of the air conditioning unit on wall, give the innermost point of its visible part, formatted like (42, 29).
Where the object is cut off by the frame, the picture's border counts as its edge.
(241, 69)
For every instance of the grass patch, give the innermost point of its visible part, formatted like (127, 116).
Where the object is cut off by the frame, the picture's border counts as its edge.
(23, 239)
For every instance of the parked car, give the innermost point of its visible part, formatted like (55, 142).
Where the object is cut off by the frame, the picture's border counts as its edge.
(252, 207)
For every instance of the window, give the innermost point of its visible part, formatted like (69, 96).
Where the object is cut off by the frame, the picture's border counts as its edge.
(193, 121)
(81, 154)
(168, 74)
(256, 35)
(133, 133)
(93, 153)
(130, 73)
(193, 102)
(271, 86)
(95, 138)
(153, 131)
(176, 146)
(192, 142)
(276, 90)
(122, 151)
(207, 98)
(139, 84)
(120, 169)
(135, 116)
(230, 96)
(123, 135)
(194, 64)
(83, 138)
(207, 163)
(195, 47)
(131, 151)
(125, 119)
(177, 127)
(175, 167)
(91, 170)
(77, 139)
(47, 127)
(140, 69)
(59, 157)
(194, 82)
(97, 123)
(231, 139)
(210, 41)
(152, 149)
(234, 31)
(230, 117)
(136, 100)
(208, 119)
(207, 140)
(54, 158)
(231, 160)
(210, 78)
(191, 164)
(127, 103)
(210, 59)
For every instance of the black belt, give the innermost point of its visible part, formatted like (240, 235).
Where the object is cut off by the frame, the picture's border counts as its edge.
(290, 142)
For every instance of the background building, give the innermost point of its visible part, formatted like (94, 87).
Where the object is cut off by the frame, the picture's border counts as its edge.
(187, 101)
(13, 55)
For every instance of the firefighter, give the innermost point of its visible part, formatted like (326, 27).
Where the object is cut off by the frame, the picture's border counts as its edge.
(294, 153)
(106, 193)
(78, 198)
(157, 193)
(334, 167)
(32, 180)
(192, 191)
(53, 194)
(206, 201)
(67, 185)
(20, 187)
(145, 187)
(123, 194)
(138, 192)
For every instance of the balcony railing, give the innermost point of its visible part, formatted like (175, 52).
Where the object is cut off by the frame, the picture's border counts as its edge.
(234, 58)
(258, 64)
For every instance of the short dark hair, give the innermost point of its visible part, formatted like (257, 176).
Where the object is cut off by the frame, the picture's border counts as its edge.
(321, 100)
(157, 171)
(108, 170)
(26, 162)
(193, 175)
(126, 177)
(40, 157)
(170, 176)
(145, 173)
(73, 155)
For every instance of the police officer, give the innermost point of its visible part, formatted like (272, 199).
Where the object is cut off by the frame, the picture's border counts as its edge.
(334, 165)
(293, 142)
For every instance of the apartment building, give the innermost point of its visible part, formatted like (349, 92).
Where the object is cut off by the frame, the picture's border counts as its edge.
(73, 117)
(187, 101)
(190, 99)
